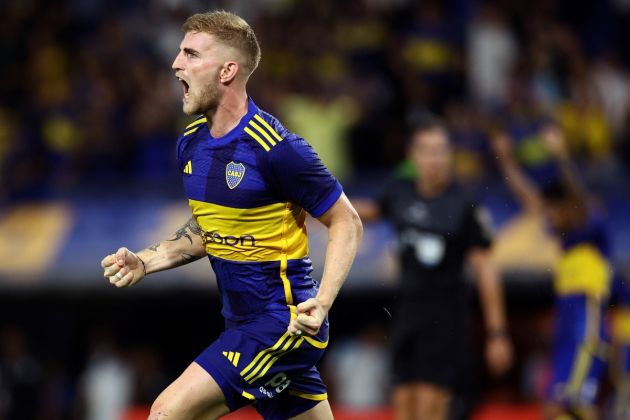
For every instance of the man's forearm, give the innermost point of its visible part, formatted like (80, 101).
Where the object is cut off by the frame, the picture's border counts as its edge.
(490, 294)
(183, 247)
(344, 237)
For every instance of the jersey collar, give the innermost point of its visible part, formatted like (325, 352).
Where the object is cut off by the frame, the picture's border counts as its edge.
(252, 109)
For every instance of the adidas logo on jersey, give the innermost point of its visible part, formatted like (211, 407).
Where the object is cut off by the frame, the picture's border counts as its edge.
(188, 168)
(232, 356)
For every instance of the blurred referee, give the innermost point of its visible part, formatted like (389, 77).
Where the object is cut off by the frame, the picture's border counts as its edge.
(440, 229)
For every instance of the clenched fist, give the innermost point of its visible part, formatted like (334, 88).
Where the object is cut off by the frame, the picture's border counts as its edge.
(124, 268)
(310, 316)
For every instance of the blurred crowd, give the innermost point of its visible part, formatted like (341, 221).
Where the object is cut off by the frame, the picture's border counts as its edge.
(87, 93)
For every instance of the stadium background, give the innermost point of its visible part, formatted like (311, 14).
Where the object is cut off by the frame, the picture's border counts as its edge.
(89, 111)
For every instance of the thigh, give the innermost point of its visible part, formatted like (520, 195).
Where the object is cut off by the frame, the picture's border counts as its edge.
(305, 395)
(195, 394)
(420, 400)
(321, 411)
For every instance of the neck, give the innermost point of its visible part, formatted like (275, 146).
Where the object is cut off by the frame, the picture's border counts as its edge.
(227, 115)
(433, 188)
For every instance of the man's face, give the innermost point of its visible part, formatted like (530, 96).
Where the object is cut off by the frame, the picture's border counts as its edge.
(197, 66)
(431, 154)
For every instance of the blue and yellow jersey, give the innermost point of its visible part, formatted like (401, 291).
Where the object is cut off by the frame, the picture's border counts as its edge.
(249, 191)
(581, 337)
(584, 267)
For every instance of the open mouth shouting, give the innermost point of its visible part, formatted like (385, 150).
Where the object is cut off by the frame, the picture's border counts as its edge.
(186, 88)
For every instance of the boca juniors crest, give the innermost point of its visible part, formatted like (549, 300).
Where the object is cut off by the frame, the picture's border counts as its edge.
(234, 173)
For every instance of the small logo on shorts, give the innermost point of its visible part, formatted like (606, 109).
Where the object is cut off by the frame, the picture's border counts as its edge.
(234, 173)
(232, 356)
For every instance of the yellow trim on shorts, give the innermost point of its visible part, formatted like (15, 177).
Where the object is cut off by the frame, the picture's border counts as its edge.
(312, 397)
(253, 376)
(248, 395)
(281, 353)
(265, 351)
(315, 343)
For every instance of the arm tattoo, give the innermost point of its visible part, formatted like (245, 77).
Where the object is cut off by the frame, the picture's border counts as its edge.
(190, 226)
(154, 247)
(187, 258)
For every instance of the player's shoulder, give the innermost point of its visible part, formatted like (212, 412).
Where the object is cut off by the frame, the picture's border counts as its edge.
(190, 131)
(267, 134)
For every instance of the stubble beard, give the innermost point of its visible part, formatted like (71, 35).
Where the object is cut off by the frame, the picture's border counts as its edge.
(206, 102)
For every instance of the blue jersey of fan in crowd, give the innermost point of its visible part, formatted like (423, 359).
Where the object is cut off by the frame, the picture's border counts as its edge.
(582, 284)
(249, 191)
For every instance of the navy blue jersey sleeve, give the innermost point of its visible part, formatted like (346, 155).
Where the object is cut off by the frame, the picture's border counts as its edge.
(298, 174)
(178, 151)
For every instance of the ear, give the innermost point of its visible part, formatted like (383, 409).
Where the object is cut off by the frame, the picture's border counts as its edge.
(228, 72)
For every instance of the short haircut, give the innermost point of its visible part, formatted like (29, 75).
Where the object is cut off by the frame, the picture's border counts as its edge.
(231, 30)
(425, 122)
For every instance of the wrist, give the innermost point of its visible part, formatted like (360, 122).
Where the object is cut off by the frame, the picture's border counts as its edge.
(142, 265)
(324, 302)
(496, 333)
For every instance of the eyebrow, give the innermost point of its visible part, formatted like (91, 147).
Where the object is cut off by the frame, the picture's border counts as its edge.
(191, 51)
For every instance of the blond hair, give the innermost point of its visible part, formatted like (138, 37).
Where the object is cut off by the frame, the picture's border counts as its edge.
(231, 30)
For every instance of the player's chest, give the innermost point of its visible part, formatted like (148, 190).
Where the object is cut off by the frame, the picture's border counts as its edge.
(228, 175)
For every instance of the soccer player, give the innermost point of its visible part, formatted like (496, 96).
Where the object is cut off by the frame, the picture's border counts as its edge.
(440, 229)
(582, 279)
(249, 183)
(620, 361)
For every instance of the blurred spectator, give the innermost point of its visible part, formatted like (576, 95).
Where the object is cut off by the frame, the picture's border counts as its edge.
(107, 382)
(358, 370)
(491, 54)
(20, 376)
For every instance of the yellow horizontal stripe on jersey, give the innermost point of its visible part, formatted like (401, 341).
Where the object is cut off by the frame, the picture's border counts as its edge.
(313, 397)
(266, 233)
(315, 343)
(263, 352)
(263, 132)
(257, 138)
(197, 122)
(583, 270)
(268, 127)
(192, 130)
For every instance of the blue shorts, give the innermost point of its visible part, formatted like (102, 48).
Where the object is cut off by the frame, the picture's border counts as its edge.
(580, 351)
(258, 362)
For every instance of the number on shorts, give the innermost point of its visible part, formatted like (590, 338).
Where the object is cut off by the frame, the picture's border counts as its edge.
(279, 382)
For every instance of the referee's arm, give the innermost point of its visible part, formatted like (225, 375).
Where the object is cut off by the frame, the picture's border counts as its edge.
(498, 346)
